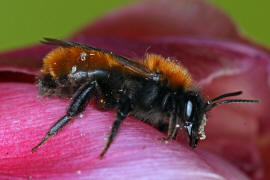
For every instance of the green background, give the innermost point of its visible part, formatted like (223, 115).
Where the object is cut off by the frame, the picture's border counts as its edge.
(26, 22)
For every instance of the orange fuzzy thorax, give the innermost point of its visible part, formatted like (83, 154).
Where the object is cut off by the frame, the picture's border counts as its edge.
(63, 61)
(176, 74)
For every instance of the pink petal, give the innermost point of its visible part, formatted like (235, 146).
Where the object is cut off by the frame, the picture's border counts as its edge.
(156, 18)
(26, 60)
(73, 153)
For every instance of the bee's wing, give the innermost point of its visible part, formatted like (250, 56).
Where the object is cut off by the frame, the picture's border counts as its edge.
(130, 64)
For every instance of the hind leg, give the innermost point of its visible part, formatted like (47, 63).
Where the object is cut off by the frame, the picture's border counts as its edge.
(78, 104)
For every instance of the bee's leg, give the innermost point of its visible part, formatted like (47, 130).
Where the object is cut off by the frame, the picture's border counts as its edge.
(78, 104)
(173, 123)
(171, 129)
(123, 110)
(177, 126)
(164, 127)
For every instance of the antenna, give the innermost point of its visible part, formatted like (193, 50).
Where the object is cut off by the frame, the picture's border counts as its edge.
(211, 103)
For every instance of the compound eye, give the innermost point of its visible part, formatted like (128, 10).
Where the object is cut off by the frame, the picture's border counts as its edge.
(189, 109)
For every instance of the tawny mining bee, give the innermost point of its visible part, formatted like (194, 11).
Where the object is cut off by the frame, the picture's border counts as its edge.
(155, 90)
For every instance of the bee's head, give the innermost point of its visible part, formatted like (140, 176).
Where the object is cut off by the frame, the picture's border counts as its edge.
(195, 109)
(194, 118)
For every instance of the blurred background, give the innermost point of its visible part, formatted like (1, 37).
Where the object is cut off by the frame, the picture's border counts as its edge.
(26, 22)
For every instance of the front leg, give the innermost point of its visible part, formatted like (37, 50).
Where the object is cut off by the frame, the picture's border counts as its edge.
(173, 122)
(164, 128)
(123, 110)
(172, 128)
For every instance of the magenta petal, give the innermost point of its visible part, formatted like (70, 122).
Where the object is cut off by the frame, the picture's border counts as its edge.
(25, 60)
(73, 153)
(157, 18)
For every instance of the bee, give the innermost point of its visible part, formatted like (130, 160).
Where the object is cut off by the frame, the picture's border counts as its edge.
(155, 90)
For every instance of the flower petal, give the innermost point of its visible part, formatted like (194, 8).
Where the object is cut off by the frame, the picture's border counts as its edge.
(156, 18)
(26, 60)
(73, 153)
